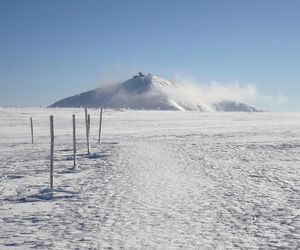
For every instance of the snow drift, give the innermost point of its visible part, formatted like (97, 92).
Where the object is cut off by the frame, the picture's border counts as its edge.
(151, 92)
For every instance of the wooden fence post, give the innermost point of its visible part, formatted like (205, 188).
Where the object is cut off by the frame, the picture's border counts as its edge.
(100, 126)
(89, 124)
(87, 130)
(31, 126)
(51, 151)
(74, 142)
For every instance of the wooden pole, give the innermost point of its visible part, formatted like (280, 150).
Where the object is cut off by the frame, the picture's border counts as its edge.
(51, 151)
(87, 131)
(89, 125)
(100, 126)
(31, 126)
(74, 142)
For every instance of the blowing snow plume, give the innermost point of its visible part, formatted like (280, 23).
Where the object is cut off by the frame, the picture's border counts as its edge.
(151, 92)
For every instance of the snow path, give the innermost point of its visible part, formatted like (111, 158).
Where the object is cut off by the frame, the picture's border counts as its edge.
(166, 180)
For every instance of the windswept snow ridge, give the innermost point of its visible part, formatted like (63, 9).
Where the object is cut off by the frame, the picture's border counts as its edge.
(149, 92)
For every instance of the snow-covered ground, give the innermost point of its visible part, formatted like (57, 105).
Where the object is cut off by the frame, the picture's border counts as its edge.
(158, 180)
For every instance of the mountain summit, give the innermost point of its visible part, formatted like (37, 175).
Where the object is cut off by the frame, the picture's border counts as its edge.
(148, 92)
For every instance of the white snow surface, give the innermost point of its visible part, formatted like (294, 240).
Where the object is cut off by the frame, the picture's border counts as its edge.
(158, 180)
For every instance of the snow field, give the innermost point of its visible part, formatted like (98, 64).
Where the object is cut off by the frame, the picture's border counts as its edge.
(159, 180)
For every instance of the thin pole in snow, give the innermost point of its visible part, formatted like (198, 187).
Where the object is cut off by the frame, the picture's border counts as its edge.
(89, 124)
(51, 151)
(87, 130)
(100, 126)
(31, 126)
(74, 142)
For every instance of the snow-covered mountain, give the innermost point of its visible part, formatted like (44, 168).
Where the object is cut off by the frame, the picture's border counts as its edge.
(148, 92)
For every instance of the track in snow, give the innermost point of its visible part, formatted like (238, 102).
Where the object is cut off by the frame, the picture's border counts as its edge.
(202, 181)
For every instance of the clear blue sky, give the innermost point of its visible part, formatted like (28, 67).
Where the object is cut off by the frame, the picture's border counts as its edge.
(53, 49)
